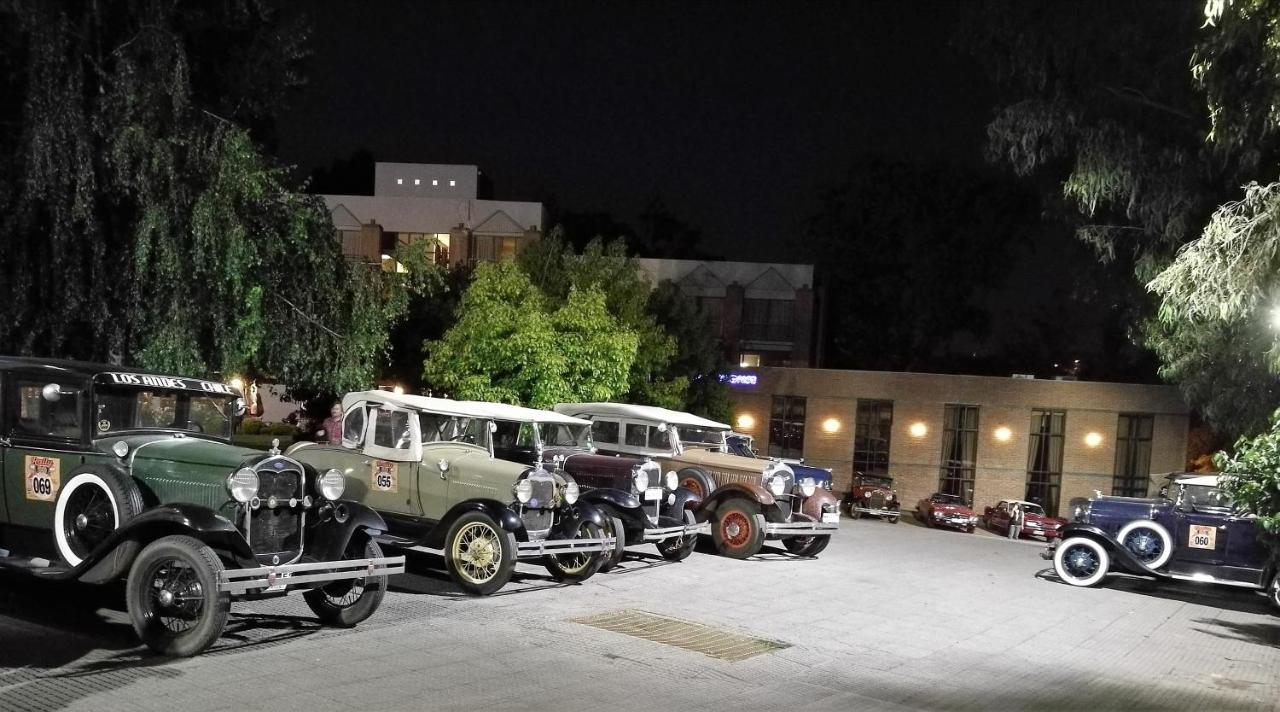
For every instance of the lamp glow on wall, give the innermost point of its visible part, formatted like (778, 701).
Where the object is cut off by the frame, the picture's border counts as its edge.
(831, 425)
(746, 422)
(918, 430)
(1093, 439)
(237, 383)
(1003, 434)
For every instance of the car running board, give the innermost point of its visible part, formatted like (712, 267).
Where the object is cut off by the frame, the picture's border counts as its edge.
(35, 566)
(1207, 578)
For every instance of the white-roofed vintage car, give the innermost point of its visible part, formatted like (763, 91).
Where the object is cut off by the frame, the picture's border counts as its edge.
(746, 500)
(644, 507)
(427, 465)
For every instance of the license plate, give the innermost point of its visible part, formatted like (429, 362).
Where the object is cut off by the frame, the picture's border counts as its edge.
(830, 517)
(653, 494)
(283, 578)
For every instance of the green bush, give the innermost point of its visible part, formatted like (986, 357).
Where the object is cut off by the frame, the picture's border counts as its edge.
(251, 427)
(1251, 475)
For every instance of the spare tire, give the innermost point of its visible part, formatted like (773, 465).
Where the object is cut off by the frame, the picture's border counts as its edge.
(94, 502)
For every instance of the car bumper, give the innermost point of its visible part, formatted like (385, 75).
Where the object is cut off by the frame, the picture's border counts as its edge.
(1043, 533)
(267, 578)
(779, 530)
(680, 530)
(525, 549)
(882, 512)
(965, 523)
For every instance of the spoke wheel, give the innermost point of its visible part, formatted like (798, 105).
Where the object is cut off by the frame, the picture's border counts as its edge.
(90, 518)
(1080, 561)
(578, 565)
(350, 601)
(90, 506)
(173, 598)
(680, 547)
(479, 553)
(613, 527)
(738, 529)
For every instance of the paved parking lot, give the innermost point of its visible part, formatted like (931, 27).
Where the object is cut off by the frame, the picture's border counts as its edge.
(890, 617)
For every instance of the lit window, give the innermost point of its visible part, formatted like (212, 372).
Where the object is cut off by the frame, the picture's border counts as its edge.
(749, 361)
(453, 183)
(399, 181)
(417, 181)
(435, 181)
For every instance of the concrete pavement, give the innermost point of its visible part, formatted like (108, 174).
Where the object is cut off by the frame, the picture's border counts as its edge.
(891, 616)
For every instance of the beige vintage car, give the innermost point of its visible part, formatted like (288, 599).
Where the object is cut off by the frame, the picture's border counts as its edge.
(746, 500)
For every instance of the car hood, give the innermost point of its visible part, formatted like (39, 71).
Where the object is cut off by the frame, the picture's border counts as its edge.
(952, 509)
(1045, 520)
(817, 473)
(724, 461)
(579, 462)
(167, 447)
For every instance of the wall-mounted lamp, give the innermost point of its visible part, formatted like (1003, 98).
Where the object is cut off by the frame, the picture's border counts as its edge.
(237, 383)
(1003, 434)
(746, 422)
(831, 425)
(398, 390)
(1093, 439)
(918, 430)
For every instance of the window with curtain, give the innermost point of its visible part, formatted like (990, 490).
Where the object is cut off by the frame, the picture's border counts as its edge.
(1044, 458)
(1133, 455)
(786, 427)
(959, 451)
(767, 319)
(872, 426)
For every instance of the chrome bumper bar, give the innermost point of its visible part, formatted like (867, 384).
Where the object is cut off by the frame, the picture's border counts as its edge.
(682, 530)
(877, 512)
(563, 546)
(235, 581)
(799, 528)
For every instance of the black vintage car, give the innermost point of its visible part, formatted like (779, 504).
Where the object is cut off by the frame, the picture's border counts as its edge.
(643, 505)
(114, 473)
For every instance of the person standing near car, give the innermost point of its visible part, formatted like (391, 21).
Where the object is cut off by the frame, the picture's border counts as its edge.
(332, 427)
(1015, 521)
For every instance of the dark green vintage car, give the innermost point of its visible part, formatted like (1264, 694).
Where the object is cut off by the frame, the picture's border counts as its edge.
(113, 473)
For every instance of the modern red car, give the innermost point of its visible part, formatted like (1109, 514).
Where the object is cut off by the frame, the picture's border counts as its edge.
(945, 510)
(1035, 524)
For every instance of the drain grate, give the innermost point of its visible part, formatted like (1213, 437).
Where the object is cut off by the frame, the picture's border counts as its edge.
(700, 638)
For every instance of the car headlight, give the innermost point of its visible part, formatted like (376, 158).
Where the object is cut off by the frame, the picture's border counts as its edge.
(640, 479)
(973, 518)
(523, 491)
(571, 493)
(826, 485)
(777, 485)
(808, 487)
(332, 484)
(866, 495)
(243, 484)
(888, 497)
(672, 481)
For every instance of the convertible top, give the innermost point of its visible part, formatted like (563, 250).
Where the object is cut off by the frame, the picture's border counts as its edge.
(503, 411)
(640, 412)
(425, 404)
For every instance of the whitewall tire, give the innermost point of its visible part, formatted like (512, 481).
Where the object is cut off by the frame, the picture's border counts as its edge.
(1080, 561)
(1148, 541)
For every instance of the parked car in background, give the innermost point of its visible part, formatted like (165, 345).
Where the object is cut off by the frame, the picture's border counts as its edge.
(1035, 522)
(643, 505)
(746, 500)
(946, 510)
(743, 446)
(113, 473)
(1195, 533)
(874, 496)
(427, 465)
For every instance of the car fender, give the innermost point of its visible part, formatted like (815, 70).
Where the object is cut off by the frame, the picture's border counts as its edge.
(328, 537)
(616, 503)
(737, 490)
(190, 519)
(496, 510)
(682, 499)
(813, 506)
(1119, 555)
(573, 515)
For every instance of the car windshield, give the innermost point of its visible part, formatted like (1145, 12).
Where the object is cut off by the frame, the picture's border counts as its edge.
(119, 409)
(1029, 508)
(945, 499)
(565, 435)
(438, 428)
(742, 446)
(701, 437)
(1201, 497)
(886, 482)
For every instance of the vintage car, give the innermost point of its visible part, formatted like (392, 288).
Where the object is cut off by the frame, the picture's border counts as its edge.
(114, 473)
(1035, 522)
(743, 446)
(1196, 533)
(746, 500)
(643, 506)
(946, 510)
(874, 496)
(427, 465)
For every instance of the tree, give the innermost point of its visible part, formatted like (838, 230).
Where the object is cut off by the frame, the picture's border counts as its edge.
(1251, 476)
(513, 345)
(136, 204)
(699, 357)
(909, 253)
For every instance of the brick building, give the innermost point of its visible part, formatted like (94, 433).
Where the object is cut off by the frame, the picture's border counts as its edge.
(412, 202)
(762, 312)
(980, 437)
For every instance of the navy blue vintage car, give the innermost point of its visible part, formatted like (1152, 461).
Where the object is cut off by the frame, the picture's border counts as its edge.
(1192, 532)
(742, 446)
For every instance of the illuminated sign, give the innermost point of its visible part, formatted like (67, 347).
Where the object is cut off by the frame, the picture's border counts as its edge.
(740, 379)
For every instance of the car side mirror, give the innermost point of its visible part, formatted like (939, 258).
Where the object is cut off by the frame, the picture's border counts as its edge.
(240, 408)
(662, 427)
(53, 392)
(493, 427)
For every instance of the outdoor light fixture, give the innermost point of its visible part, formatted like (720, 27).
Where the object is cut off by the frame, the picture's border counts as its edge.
(1003, 434)
(1093, 439)
(237, 383)
(746, 422)
(918, 430)
(398, 390)
(831, 425)
(1275, 317)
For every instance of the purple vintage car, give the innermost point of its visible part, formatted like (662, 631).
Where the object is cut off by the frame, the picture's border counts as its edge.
(1193, 532)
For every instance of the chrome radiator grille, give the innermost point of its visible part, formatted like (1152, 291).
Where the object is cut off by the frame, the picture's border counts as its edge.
(538, 515)
(876, 501)
(276, 532)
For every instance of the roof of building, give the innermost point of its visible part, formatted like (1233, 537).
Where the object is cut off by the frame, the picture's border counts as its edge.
(640, 412)
(503, 411)
(431, 215)
(760, 280)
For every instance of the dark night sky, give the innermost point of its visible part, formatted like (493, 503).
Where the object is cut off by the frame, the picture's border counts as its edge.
(736, 114)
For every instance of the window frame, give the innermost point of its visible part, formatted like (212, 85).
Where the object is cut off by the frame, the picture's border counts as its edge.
(83, 394)
(967, 471)
(786, 449)
(1047, 482)
(864, 464)
(1125, 486)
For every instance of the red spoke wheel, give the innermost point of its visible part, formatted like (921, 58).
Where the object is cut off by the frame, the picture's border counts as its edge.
(738, 529)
